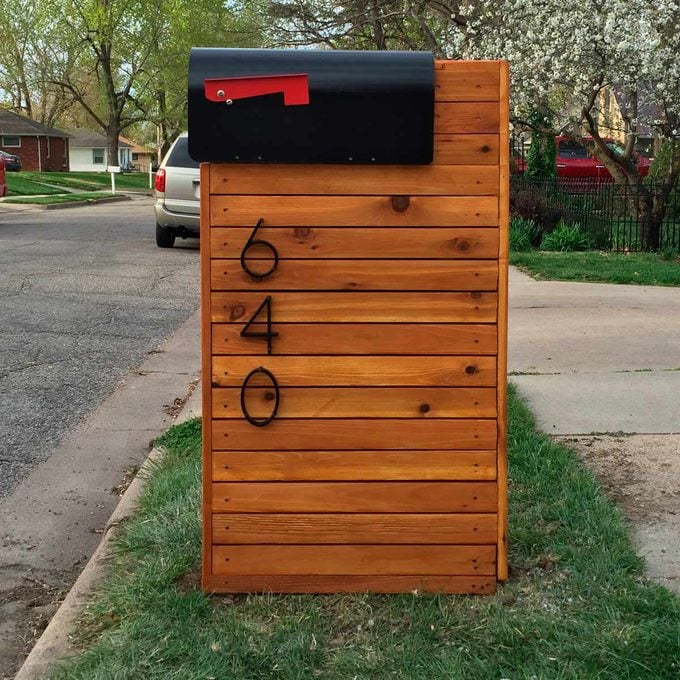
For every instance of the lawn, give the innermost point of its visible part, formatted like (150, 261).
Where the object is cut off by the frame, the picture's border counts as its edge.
(60, 198)
(20, 184)
(647, 269)
(29, 182)
(577, 604)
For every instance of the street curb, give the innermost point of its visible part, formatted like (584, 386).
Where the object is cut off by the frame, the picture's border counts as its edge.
(55, 643)
(78, 204)
(36, 207)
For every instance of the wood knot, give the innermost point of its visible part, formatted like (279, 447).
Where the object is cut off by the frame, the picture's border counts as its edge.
(302, 232)
(236, 312)
(400, 204)
(470, 370)
(464, 245)
(269, 396)
(424, 408)
(486, 148)
(475, 295)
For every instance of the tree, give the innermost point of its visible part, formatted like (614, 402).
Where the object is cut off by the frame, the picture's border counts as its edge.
(110, 43)
(579, 49)
(27, 31)
(361, 24)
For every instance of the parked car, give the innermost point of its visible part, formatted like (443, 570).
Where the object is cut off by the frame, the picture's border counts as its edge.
(3, 180)
(177, 186)
(12, 162)
(575, 161)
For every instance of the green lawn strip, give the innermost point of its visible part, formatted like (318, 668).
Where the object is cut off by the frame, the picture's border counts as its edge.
(639, 268)
(127, 180)
(64, 179)
(577, 605)
(19, 184)
(89, 181)
(60, 198)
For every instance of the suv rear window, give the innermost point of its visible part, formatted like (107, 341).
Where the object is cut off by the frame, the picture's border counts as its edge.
(179, 156)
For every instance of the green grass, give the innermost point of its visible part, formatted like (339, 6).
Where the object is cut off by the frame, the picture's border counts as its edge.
(577, 605)
(642, 268)
(83, 180)
(30, 183)
(20, 184)
(60, 198)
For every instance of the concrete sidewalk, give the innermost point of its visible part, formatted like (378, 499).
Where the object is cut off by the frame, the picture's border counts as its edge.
(594, 358)
(57, 641)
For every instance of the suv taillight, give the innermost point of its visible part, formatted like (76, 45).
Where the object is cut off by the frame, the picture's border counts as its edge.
(160, 180)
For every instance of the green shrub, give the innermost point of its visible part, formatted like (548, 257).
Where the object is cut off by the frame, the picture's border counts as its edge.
(669, 253)
(566, 237)
(542, 156)
(523, 234)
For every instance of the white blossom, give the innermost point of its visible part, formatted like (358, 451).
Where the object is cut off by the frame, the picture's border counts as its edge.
(566, 51)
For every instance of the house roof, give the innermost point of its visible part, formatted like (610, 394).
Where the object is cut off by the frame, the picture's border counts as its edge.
(84, 138)
(14, 124)
(138, 148)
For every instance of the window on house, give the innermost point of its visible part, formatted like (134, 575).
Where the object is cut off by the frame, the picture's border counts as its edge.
(135, 156)
(98, 156)
(11, 140)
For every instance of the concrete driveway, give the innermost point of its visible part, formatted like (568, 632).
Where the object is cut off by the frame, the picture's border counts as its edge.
(599, 365)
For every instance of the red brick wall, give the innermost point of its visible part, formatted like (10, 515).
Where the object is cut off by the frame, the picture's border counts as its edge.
(28, 152)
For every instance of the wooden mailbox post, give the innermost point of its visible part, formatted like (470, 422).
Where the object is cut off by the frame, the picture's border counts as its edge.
(364, 318)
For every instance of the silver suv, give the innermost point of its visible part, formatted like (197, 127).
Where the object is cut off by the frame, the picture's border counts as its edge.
(177, 195)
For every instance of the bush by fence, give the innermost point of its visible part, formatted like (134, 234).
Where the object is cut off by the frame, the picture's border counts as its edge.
(608, 213)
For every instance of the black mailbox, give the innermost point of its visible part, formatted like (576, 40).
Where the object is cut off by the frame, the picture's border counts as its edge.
(310, 106)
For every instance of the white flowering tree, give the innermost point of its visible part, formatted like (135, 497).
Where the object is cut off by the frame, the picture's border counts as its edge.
(565, 53)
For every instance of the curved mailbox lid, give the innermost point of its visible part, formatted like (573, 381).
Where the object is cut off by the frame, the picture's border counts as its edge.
(250, 105)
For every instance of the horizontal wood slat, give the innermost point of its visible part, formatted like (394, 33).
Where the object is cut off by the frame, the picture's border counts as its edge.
(239, 307)
(350, 497)
(365, 338)
(466, 81)
(453, 149)
(349, 583)
(342, 371)
(294, 434)
(352, 402)
(445, 243)
(328, 180)
(355, 211)
(351, 275)
(354, 559)
(355, 528)
(290, 466)
(467, 118)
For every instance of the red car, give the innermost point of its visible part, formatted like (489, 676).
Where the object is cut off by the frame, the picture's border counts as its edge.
(575, 161)
(3, 181)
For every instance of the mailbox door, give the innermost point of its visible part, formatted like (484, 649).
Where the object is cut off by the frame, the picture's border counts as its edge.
(311, 106)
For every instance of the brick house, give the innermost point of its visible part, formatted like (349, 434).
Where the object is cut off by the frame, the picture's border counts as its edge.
(40, 147)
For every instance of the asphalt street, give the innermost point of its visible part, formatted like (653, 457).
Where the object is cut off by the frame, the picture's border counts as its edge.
(85, 295)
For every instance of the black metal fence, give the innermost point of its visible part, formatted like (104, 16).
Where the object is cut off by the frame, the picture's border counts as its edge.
(611, 214)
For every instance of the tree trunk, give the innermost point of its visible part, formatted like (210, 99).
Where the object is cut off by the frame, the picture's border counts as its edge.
(112, 144)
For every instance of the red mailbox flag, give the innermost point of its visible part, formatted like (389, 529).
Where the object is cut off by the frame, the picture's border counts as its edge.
(294, 86)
